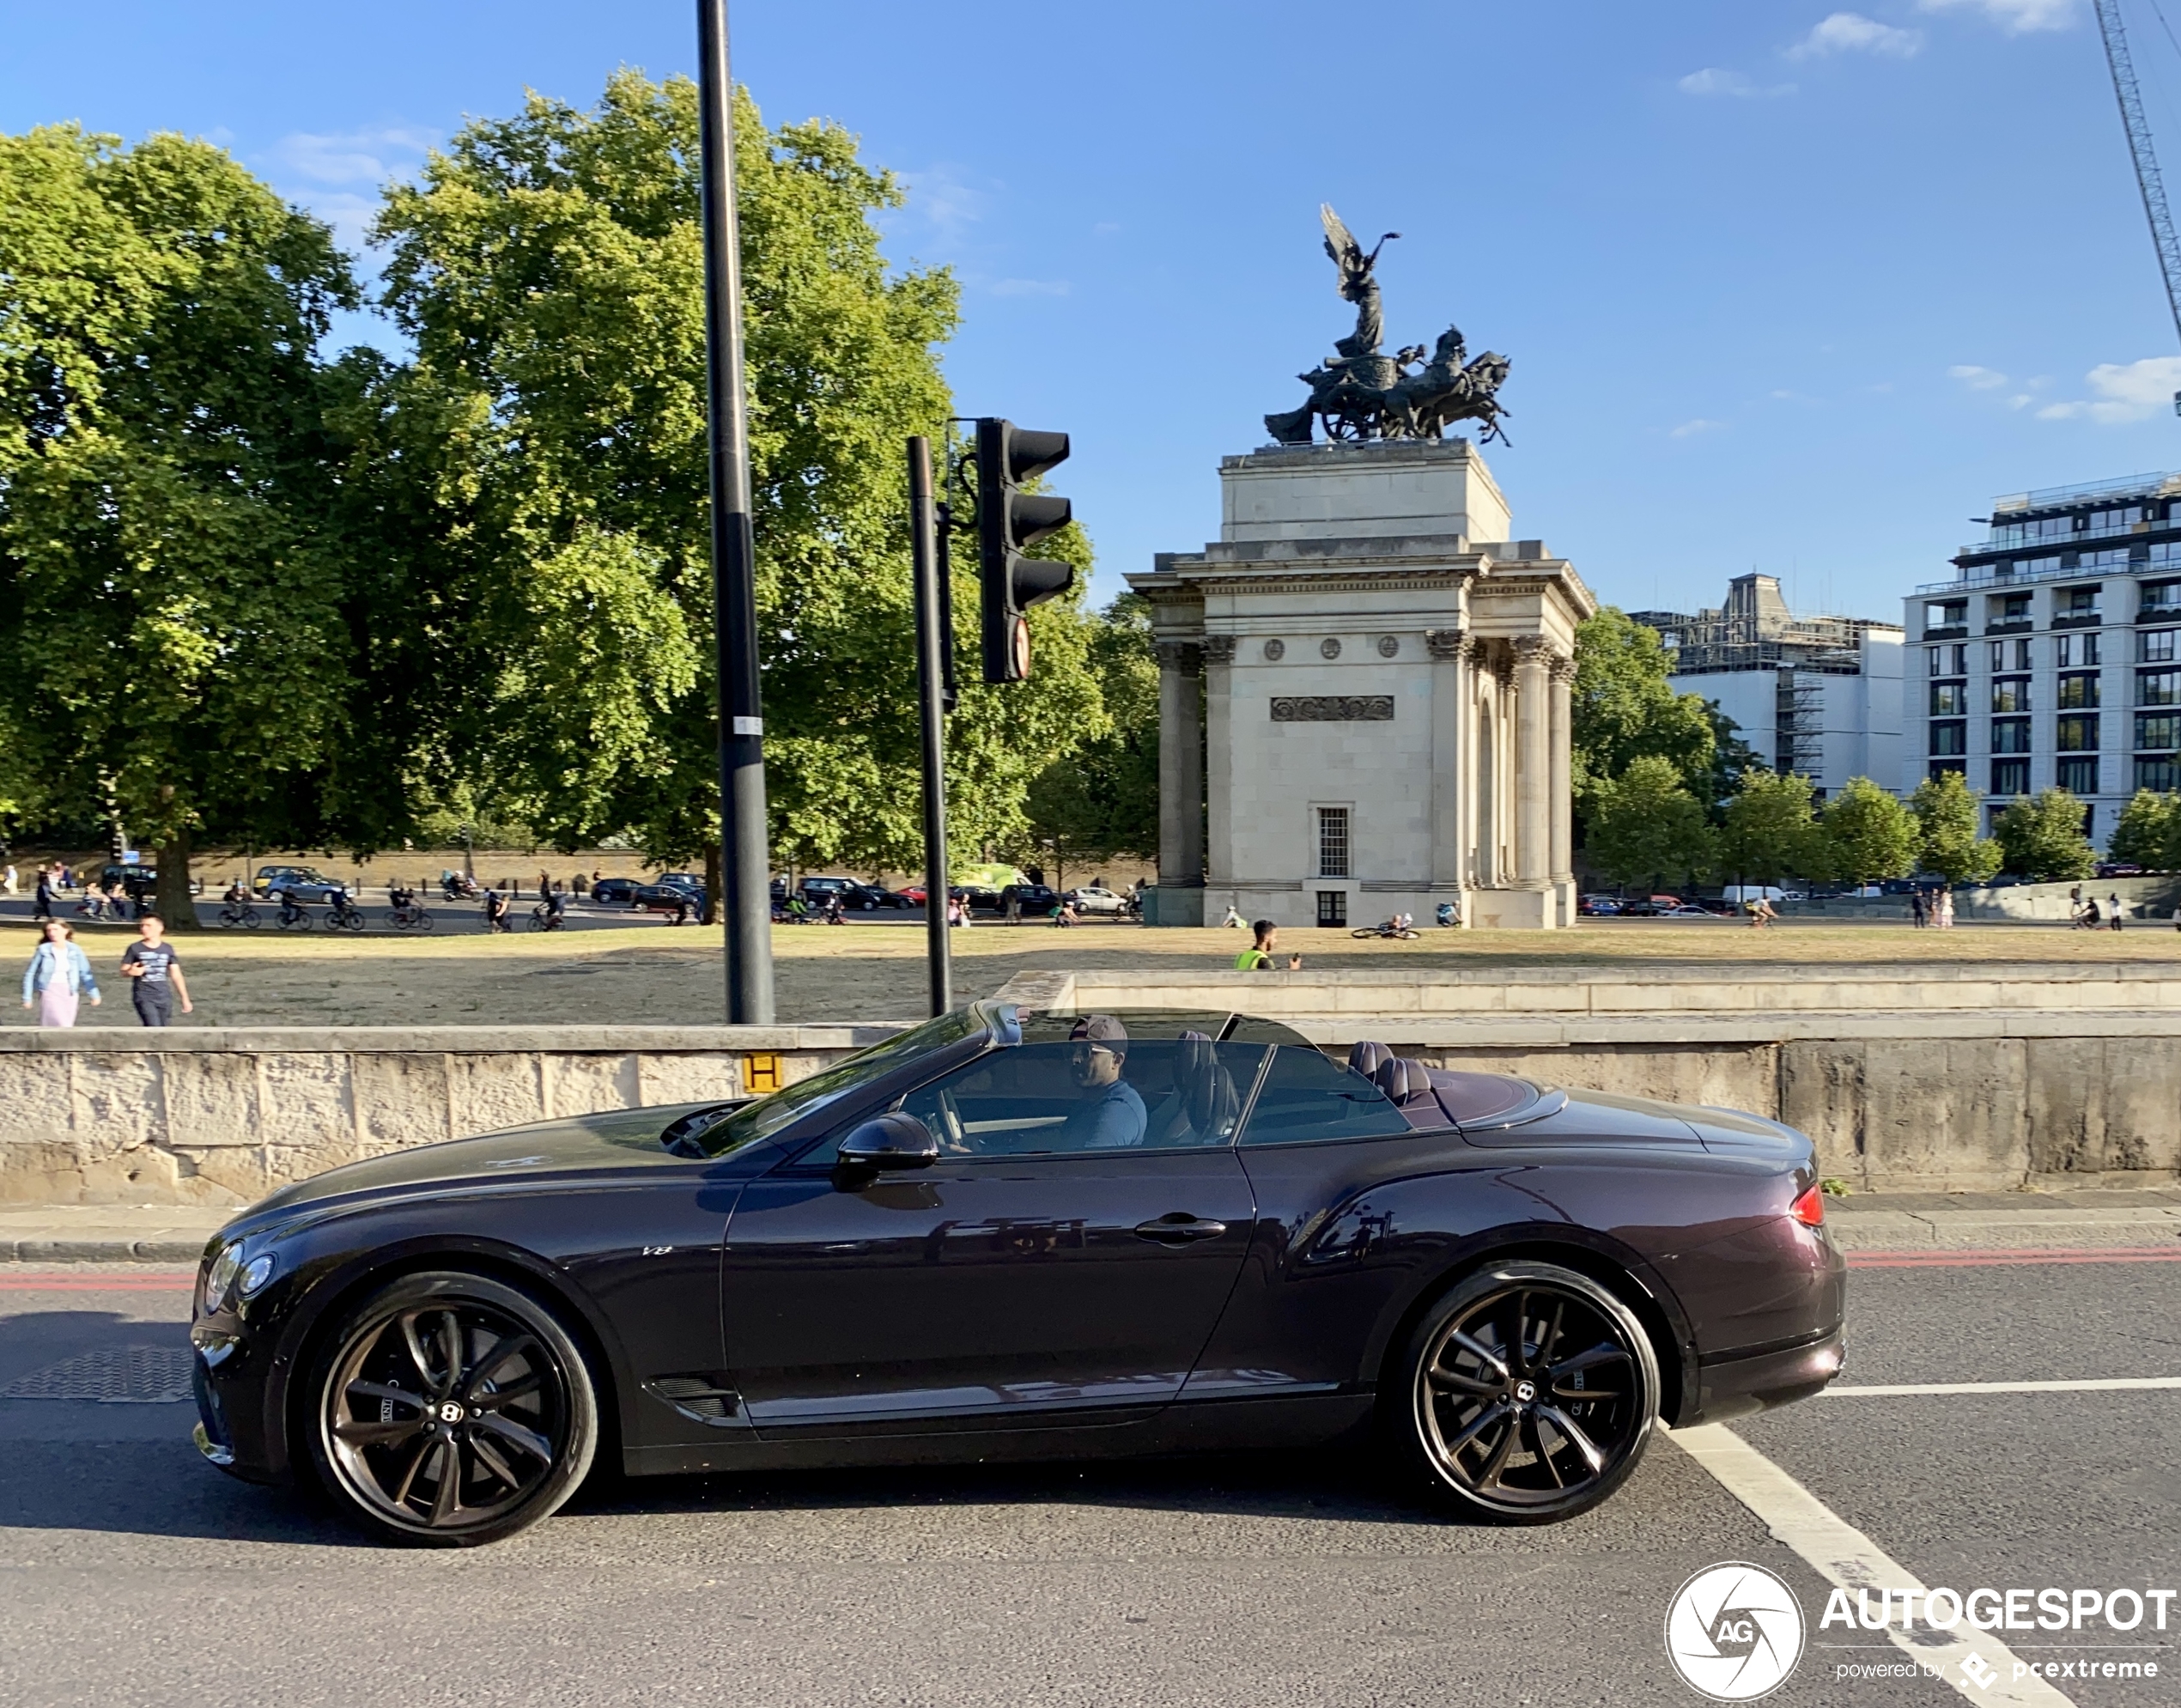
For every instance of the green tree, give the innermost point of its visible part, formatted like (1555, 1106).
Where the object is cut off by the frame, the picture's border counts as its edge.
(1102, 800)
(1772, 831)
(173, 635)
(1947, 814)
(2149, 826)
(1624, 709)
(1870, 833)
(2042, 838)
(1645, 826)
(549, 269)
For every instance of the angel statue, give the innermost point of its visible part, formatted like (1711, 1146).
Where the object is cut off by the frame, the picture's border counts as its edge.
(1358, 283)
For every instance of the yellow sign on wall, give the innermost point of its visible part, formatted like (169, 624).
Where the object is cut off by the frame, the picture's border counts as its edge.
(761, 1073)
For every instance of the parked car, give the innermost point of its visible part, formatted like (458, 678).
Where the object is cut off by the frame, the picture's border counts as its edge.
(1515, 1365)
(302, 883)
(976, 898)
(613, 892)
(870, 897)
(1600, 907)
(665, 898)
(2118, 868)
(690, 881)
(1032, 901)
(1094, 899)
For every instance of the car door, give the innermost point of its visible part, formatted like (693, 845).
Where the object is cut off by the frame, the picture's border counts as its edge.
(1066, 1259)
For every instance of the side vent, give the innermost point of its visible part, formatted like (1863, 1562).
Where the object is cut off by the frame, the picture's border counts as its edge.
(705, 1399)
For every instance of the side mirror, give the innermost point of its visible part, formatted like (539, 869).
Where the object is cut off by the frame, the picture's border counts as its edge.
(895, 1141)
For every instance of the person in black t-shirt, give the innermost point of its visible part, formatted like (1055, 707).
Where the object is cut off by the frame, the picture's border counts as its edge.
(155, 973)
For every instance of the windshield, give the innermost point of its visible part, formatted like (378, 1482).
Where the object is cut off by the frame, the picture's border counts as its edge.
(753, 1121)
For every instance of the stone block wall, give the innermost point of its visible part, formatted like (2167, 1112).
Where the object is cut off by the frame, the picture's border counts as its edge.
(222, 1116)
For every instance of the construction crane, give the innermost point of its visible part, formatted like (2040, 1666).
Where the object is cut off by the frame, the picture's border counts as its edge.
(2146, 163)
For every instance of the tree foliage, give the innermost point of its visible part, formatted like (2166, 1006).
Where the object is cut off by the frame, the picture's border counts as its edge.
(1645, 826)
(1947, 815)
(1869, 833)
(175, 636)
(549, 269)
(2042, 838)
(1102, 800)
(1772, 831)
(2148, 833)
(1624, 709)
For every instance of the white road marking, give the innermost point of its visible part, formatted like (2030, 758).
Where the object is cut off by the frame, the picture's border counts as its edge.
(2102, 1384)
(1844, 1556)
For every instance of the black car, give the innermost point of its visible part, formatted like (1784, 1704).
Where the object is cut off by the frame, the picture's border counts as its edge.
(667, 898)
(1014, 1234)
(615, 892)
(1031, 901)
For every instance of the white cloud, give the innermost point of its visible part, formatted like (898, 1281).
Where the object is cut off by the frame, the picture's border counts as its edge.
(1975, 378)
(1717, 80)
(1029, 288)
(359, 157)
(1689, 430)
(940, 203)
(2125, 392)
(1852, 33)
(2016, 17)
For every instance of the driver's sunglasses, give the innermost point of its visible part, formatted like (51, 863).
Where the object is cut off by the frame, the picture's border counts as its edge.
(1085, 1051)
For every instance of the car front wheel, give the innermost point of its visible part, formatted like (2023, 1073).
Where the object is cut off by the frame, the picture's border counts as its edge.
(1527, 1394)
(451, 1409)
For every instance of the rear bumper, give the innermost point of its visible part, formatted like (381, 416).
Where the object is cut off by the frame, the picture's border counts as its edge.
(1732, 1387)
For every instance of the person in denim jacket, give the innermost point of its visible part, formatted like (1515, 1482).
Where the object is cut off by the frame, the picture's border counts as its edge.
(58, 976)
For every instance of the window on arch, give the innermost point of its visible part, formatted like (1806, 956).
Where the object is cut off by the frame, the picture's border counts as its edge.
(1308, 1099)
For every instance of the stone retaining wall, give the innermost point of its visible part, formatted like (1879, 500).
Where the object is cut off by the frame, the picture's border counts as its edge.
(223, 1114)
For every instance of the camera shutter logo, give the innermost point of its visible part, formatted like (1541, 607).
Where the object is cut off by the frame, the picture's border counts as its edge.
(1734, 1631)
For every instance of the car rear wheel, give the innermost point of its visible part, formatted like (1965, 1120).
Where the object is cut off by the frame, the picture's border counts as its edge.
(1527, 1394)
(451, 1409)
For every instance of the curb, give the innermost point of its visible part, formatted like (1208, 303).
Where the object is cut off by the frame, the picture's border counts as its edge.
(101, 1251)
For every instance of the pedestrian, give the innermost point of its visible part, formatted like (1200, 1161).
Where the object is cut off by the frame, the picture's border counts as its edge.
(2113, 908)
(1234, 920)
(1946, 908)
(58, 976)
(41, 907)
(496, 911)
(954, 910)
(1257, 957)
(152, 963)
(544, 883)
(2090, 918)
(8, 879)
(581, 886)
(1915, 907)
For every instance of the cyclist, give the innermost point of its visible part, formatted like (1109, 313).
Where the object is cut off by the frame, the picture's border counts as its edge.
(292, 912)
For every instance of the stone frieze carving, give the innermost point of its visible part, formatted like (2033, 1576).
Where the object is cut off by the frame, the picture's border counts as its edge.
(1325, 708)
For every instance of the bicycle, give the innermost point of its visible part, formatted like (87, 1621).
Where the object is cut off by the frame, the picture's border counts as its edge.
(293, 916)
(545, 918)
(343, 914)
(239, 913)
(410, 918)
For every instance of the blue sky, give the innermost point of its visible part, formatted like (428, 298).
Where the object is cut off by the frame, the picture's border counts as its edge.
(1785, 287)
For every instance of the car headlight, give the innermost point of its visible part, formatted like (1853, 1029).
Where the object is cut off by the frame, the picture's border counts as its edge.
(221, 1277)
(231, 1276)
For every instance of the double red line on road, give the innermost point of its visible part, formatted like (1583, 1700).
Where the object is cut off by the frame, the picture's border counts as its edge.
(76, 1281)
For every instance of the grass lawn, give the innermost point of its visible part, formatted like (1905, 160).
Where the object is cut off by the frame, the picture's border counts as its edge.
(657, 974)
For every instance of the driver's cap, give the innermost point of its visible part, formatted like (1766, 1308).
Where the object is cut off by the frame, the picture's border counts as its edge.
(1104, 1029)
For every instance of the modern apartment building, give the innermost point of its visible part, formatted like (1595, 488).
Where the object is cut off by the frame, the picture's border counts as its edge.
(1817, 695)
(2053, 657)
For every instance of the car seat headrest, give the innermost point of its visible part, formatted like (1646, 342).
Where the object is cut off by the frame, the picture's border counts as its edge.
(1404, 1081)
(1365, 1056)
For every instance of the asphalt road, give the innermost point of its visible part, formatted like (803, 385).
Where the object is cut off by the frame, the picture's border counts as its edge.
(131, 1572)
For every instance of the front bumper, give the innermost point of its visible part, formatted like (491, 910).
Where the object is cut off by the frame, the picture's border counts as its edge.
(1733, 1388)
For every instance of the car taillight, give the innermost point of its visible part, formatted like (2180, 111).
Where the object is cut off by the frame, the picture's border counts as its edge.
(1809, 1208)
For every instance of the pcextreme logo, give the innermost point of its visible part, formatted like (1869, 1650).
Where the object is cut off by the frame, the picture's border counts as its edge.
(1733, 1631)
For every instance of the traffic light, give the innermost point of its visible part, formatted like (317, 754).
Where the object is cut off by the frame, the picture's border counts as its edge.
(1007, 521)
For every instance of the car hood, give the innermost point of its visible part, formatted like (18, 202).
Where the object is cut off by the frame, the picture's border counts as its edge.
(619, 1139)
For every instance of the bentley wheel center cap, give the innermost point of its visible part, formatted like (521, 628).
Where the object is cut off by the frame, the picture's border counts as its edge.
(450, 1413)
(1525, 1391)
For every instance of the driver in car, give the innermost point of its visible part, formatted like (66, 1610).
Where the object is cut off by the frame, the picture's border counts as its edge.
(1111, 1115)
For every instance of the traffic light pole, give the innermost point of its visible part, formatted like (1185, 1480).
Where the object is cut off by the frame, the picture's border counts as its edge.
(745, 852)
(934, 646)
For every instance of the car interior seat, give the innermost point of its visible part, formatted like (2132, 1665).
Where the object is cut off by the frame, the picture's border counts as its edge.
(1201, 1108)
(1365, 1056)
(1407, 1083)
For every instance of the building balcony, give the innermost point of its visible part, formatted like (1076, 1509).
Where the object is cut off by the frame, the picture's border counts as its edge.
(2012, 625)
(2088, 619)
(1959, 631)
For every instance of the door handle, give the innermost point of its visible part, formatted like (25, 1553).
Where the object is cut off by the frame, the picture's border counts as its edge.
(1179, 1228)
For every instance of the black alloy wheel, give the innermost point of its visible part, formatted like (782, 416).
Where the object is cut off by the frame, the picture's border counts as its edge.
(1529, 1392)
(451, 1410)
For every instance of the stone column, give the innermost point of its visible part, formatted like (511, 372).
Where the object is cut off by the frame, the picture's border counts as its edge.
(1562, 738)
(1180, 768)
(1450, 774)
(1532, 761)
(1480, 812)
(1218, 652)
